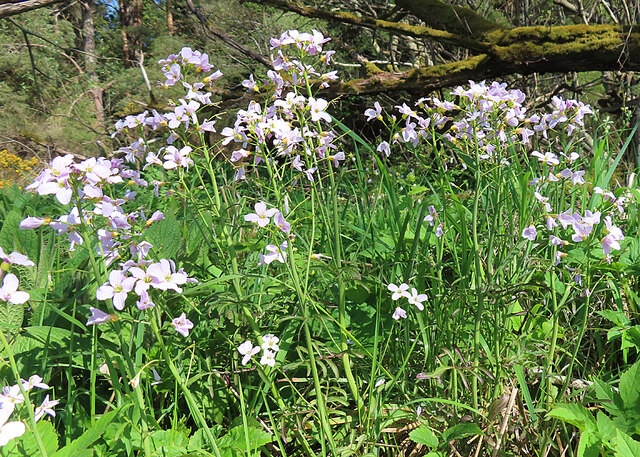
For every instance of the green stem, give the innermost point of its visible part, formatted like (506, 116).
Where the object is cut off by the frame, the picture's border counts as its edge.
(193, 405)
(478, 284)
(27, 401)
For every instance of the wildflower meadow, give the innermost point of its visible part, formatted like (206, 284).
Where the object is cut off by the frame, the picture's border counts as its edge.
(466, 285)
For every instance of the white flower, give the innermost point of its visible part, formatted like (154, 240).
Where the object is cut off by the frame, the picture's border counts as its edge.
(417, 299)
(399, 313)
(398, 291)
(262, 215)
(268, 358)
(270, 343)
(9, 430)
(247, 350)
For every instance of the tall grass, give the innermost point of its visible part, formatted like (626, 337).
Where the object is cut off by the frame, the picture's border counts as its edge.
(303, 298)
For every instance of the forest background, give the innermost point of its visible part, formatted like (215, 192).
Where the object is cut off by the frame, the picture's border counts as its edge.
(70, 69)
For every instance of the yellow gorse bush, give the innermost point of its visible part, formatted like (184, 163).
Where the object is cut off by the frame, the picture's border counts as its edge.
(14, 168)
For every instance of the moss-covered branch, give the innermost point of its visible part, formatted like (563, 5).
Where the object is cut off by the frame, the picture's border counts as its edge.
(522, 51)
(455, 19)
(398, 28)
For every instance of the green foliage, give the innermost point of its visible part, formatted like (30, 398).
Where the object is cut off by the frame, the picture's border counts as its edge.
(615, 431)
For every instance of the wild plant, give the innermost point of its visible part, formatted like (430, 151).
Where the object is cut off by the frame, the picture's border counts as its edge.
(290, 295)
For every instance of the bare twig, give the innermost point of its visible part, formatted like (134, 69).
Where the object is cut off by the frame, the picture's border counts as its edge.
(228, 40)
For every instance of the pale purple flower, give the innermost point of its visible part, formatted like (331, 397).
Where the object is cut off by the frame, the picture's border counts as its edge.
(46, 407)
(144, 301)
(116, 289)
(530, 233)
(281, 223)
(611, 240)
(384, 147)
(432, 216)
(166, 276)
(548, 158)
(182, 324)
(100, 317)
(278, 253)
(33, 222)
(9, 291)
(9, 430)
(555, 241)
(317, 108)
(262, 215)
(33, 381)
(399, 313)
(15, 258)
(337, 158)
(374, 113)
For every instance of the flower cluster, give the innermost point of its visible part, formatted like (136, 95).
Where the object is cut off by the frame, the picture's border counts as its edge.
(12, 396)
(90, 186)
(262, 217)
(582, 225)
(292, 127)
(139, 277)
(183, 118)
(413, 297)
(490, 116)
(269, 347)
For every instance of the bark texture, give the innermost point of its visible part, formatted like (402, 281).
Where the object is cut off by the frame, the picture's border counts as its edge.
(499, 50)
(12, 7)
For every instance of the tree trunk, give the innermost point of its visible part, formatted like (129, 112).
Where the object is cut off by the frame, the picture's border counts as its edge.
(89, 47)
(170, 27)
(130, 21)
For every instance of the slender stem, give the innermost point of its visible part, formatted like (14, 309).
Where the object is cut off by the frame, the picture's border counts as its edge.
(193, 405)
(27, 401)
(478, 283)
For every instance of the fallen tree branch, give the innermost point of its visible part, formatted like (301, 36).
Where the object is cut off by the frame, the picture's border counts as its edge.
(397, 28)
(13, 7)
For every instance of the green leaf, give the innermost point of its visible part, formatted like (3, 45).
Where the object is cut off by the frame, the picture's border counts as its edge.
(424, 435)
(626, 446)
(235, 439)
(460, 431)
(27, 446)
(11, 317)
(605, 427)
(85, 440)
(631, 338)
(168, 443)
(630, 387)
(13, 239)
(166, 236)
(575, 414)
(590, 445)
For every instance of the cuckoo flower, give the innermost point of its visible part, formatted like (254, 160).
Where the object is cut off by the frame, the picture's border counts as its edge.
(9, 291)
(262, 215)
(182, 324)
(117, 289)
(247, 350)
